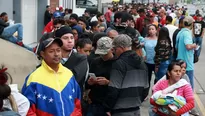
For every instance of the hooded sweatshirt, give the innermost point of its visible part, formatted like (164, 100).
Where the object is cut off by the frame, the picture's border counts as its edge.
(128, 78)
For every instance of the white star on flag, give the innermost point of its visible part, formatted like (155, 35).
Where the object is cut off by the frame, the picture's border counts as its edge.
(73, 90)
(70, 97)
(35, 92)
(44, 97)
(39, 95)
(50, 100)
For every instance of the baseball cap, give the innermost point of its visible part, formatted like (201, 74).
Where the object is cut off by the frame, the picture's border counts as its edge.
(56, 14)
(188, 20)
(122, 40)
(104, 44)
(46, 43)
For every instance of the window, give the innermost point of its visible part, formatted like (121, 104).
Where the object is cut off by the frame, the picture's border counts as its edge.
(86, 3)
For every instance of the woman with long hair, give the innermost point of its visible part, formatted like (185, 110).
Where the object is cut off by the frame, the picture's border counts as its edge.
(149, 45)
(163, 52)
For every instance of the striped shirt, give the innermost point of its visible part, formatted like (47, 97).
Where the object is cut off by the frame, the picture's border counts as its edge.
(184, 91)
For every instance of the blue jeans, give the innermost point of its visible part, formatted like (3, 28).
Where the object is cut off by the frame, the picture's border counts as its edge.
(8, 32)
(190, 74)
(162, 70)
(198, 41)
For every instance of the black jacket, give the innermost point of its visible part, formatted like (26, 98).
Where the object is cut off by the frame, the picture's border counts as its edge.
(100, 68)
(78, 64)
(2, 26)
(128, 78)
(47, 17)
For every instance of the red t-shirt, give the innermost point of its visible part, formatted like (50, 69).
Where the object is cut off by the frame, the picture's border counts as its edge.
(108, 15)
(163, 21)
(48, 28)
(139, 23)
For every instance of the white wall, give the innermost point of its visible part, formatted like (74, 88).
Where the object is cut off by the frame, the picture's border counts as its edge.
(29, 21)
(7, 6)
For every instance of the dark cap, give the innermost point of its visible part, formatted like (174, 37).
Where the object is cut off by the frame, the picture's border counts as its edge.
(46, 43)
(62, 31)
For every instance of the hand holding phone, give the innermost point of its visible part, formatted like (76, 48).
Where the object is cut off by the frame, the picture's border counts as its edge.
(92, 80)
(197, 48)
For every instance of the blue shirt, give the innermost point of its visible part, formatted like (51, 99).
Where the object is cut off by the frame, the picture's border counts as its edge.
(149, 46)
(184, 37)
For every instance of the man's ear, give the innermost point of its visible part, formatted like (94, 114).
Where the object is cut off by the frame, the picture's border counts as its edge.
(78, 48)
(42, 54)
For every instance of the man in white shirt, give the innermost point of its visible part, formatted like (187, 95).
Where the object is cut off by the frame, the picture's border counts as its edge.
(170, 27)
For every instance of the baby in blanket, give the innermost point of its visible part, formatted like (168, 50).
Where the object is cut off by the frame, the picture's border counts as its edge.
(168, 97)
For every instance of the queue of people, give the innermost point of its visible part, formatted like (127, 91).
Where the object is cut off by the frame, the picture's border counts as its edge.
(96, 66)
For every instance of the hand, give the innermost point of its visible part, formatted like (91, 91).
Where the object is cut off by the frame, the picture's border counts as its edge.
(108, 113)
(194, 45)
(154, 109)
(171, 112)
(92, 81)
(102, 81)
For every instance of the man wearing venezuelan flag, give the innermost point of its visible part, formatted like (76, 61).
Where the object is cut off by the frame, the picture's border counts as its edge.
(52, 89)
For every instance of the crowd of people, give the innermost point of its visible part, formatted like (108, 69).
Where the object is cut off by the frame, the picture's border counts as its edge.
(102, 65)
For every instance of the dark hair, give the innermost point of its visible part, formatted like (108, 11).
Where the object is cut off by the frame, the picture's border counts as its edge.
(198, 15)
(126, 16)
(171, 67)
(169, 19)
(66, 10)
(181, 62)
(99, 15)
(47, 6)
(93, 24)
(70, 11)
(96, 37)
(163, 35)
(84, 35)
(5, 90)
(118, 15)
(82, 42)
(84, 21)
(59, 21)
(3, 14)
(141, 10)
(150, 26)
(114, 9)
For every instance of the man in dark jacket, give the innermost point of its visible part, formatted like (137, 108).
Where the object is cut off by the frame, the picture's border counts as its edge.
(74, 61)
(128, 78)
(101, 67)
(47, 15)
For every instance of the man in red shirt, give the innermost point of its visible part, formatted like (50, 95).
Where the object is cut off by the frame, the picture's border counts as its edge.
(49, 27)
(162, 14)
(139, 24)
(108, 15)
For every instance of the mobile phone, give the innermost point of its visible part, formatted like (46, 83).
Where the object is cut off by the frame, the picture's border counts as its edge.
(92, 75)
(197, 48)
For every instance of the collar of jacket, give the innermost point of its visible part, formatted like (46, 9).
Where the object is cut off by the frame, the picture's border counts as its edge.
(49, 69)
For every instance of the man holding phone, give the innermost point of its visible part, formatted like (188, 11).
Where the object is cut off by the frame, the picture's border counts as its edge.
(99, 76)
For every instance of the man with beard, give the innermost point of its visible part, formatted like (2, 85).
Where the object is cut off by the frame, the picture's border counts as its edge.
(101, 22)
